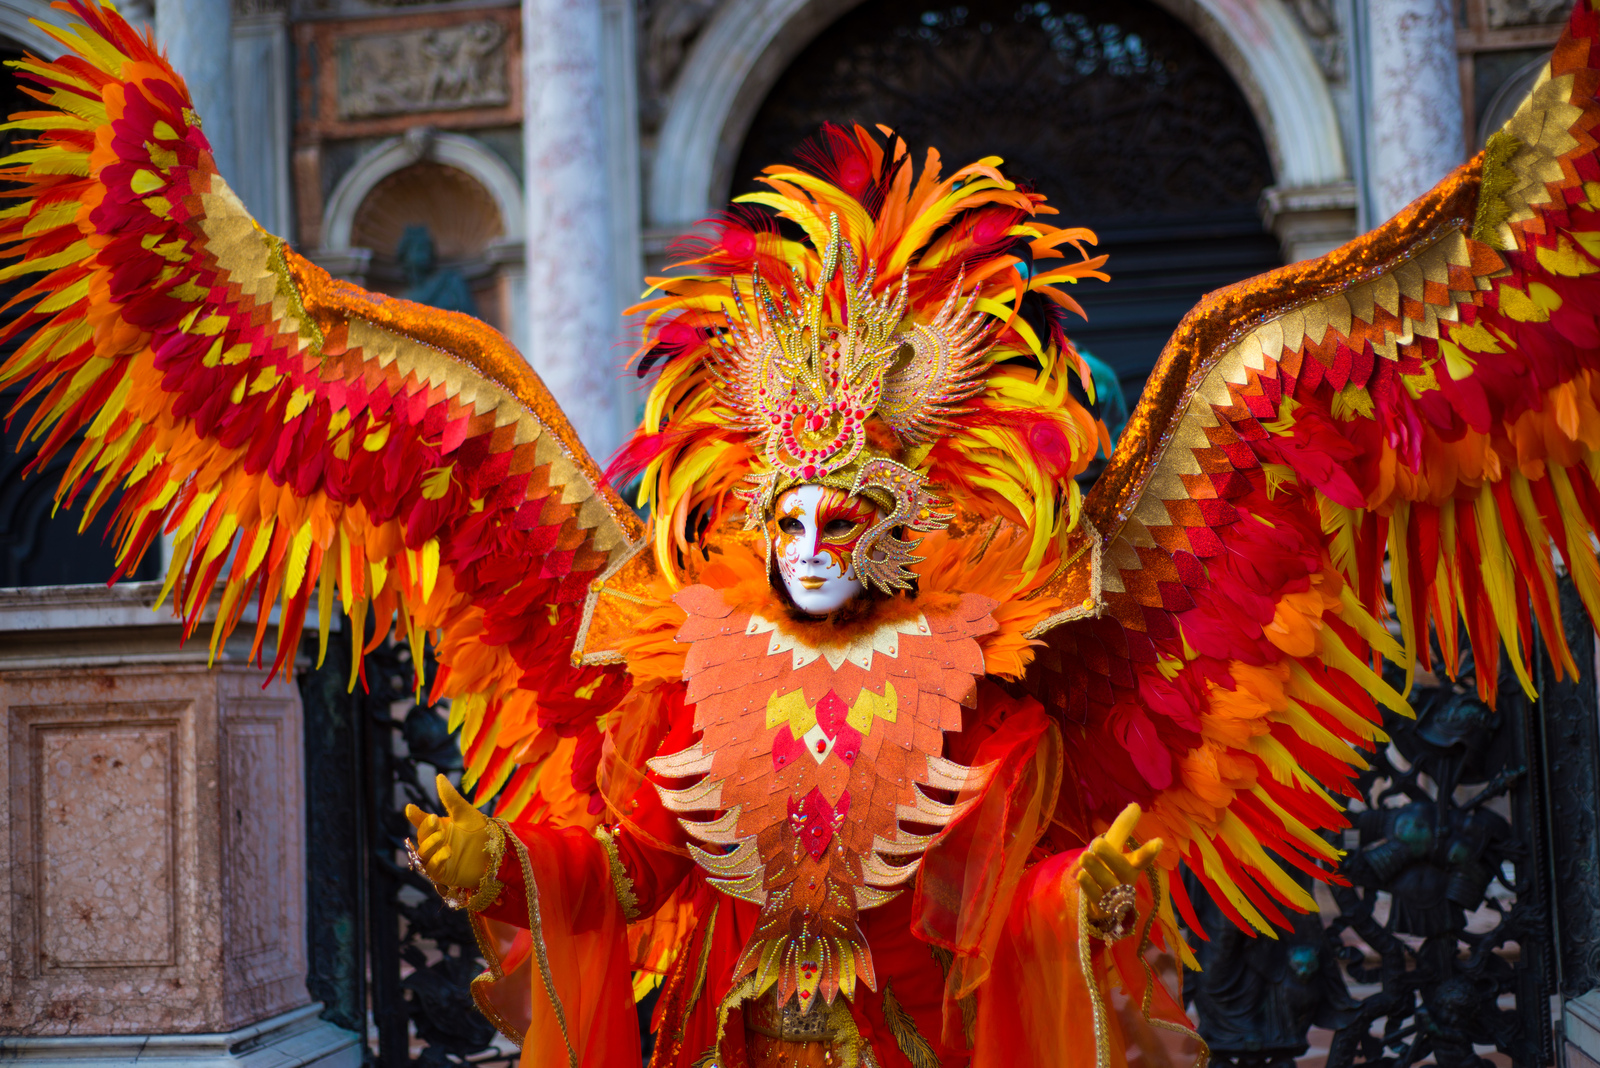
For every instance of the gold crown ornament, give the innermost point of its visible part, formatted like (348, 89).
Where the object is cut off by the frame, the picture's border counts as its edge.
(807, 388)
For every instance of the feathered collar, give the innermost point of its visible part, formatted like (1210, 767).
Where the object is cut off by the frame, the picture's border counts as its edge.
(951, 567)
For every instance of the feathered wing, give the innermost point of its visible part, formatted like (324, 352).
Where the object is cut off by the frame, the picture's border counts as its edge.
(1429, 392)
(299, 439)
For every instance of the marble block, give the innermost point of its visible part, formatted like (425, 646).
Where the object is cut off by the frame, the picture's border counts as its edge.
(295, 1039)
(152, 872)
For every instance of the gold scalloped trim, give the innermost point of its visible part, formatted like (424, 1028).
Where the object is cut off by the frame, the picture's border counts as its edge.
(627, 897)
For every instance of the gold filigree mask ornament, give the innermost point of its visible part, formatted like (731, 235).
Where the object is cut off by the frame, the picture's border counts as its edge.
(809, 387)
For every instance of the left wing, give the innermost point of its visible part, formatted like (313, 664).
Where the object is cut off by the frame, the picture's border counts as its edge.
(1429, 392)
(298, 438)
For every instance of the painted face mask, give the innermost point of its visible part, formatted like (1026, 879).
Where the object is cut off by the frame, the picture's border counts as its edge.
(817, 531)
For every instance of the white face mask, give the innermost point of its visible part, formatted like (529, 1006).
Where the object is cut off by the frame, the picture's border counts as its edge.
(818, 529)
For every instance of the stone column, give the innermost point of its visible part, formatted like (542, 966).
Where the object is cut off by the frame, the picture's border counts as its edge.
(1414, 100)
(261, 111)
(152, 854)
(576, 341)
(198, 37)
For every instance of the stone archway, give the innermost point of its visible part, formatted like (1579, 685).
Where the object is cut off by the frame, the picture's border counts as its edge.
(749, 44)
(493, 211)
(16, 24)
(451, 150)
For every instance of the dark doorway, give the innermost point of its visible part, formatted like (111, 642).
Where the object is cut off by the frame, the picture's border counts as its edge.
(40, 545)
(1114, 109)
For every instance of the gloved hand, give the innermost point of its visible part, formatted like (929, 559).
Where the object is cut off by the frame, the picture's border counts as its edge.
(452, 847)
(1105, 865)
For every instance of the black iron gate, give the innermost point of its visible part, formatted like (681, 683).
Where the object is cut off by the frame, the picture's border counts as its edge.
(1471, 885)
(388, 959)
(1468, 892)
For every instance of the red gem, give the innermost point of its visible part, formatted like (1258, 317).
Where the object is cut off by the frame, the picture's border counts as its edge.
(822, 746)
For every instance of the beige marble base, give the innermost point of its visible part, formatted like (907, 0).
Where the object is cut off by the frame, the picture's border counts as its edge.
(295, 1039)
(152, 875)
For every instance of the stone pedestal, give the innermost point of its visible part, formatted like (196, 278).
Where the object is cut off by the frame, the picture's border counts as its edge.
(1580, 1027)
(152, 862)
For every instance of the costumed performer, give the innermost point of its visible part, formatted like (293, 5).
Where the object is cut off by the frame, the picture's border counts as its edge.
(880, 742)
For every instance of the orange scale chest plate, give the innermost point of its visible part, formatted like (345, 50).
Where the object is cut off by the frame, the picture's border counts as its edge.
(809, 763)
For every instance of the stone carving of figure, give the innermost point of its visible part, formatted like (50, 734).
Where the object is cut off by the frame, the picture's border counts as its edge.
(427, 282)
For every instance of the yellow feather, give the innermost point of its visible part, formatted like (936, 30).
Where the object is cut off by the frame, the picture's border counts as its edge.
(482, 754)
(1543, 561)
(324, 611)
(294, 574)
(1498, 584)
(1339, 657)
(1299, 831)
(1582, 563)
(1211, 861)
(1295, 716)
(1303, 686)
(430, 567)
(1400, 585)
(258, 550)
(180, 560)
(1372, 632)
(1340, 524)
(1242, 840)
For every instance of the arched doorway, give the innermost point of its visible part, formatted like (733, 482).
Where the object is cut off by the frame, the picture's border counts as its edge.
(1113, 108)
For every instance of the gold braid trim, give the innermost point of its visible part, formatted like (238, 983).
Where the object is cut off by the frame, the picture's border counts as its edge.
(1097, 1000)
(1102, 1043)
(480, 995)
(1157, 889)
(906, 1035)
(626, 895)
(489, 886)
(700, 977)
(536, 929)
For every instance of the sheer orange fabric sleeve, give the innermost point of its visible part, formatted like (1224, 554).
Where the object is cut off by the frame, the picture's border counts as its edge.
(1055, 995)
(559, 982)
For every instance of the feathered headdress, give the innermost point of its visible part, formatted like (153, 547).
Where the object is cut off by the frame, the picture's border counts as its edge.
(860, 325)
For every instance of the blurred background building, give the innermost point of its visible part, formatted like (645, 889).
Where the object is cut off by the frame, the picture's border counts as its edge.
(554, 150)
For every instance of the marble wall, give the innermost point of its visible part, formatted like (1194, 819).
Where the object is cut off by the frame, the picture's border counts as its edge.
(152, 871)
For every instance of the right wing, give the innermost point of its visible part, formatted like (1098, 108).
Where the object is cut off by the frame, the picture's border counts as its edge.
(298, 438)
(1414, 417)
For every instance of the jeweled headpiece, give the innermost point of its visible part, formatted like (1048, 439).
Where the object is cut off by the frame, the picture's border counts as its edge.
(912, 338)
(806, 386)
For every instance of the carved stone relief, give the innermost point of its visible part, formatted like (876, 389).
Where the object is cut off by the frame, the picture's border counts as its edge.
(667, 30)
(1527, 12)
(1321, 25)
(434, 69)
(244, 9)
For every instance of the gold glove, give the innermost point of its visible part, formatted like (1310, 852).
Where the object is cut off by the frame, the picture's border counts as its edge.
(1106, 873)
(453, 848)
